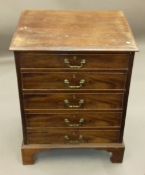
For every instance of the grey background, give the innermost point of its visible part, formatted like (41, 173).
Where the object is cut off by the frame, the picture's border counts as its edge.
(70, 162)
(10, 11)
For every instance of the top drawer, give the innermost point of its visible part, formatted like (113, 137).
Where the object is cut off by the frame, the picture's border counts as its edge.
(71, 61)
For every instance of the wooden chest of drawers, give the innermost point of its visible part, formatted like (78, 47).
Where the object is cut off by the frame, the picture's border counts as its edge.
(74, 71)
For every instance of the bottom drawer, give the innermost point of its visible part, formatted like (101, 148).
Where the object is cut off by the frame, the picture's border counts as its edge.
(71, 136)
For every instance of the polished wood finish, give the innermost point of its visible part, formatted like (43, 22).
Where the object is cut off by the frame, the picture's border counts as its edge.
(73, 78)
(91, 101)
(56, 81)
(76, 136)
(73, 31)
(90, 120)
(117, 155)
(115, 61)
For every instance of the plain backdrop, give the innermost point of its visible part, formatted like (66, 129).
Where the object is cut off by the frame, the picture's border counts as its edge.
(70, 162)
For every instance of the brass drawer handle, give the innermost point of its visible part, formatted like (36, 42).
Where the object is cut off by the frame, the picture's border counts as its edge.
(80, 139)
(69, 105)
(80, 123)
(67, 62)
(81, 83)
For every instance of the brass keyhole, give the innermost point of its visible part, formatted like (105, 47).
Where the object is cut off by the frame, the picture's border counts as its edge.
(74, 76)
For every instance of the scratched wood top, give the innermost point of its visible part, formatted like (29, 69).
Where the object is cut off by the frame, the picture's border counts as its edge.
(73, 31)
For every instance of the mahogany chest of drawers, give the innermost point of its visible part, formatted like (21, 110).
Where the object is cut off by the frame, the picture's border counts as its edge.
(74, 70)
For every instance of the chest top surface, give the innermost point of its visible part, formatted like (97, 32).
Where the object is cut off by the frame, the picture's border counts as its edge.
(73, 31)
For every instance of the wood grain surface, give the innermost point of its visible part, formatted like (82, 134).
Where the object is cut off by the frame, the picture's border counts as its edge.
(89, 120)
(73, 80)
(73, 30)
(56, 100)
(75, 136)
(56, 51)
(56, 61)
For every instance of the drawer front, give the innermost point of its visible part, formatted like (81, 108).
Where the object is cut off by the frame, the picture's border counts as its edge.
(73, 80)
(66, 136)
(73, 101)
(70, 61)
(82, 120)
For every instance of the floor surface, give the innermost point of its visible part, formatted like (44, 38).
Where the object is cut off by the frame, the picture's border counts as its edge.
(71, 162)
